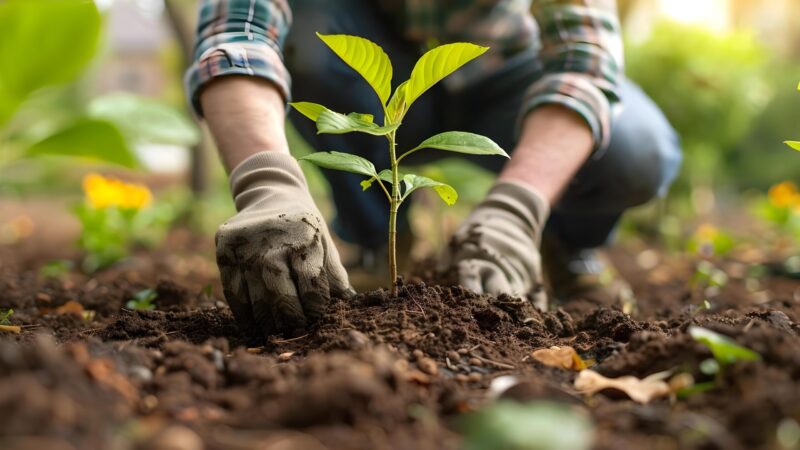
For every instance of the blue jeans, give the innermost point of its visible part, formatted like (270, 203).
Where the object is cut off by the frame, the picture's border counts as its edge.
(641, 162)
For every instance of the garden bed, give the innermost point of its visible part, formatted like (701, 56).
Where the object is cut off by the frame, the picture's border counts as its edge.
(88, 373)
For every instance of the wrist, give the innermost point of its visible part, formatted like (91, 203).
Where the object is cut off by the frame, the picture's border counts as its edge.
(266, 172)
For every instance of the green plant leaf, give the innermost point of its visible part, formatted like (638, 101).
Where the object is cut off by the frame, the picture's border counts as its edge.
(44, 43)
(397, 104)
(438, 63)
(793, 144)
(308, 109)
(413, 182)
(461, 142)
(385, 175)
(537, 425)
(366, 58)
(724, 349)
(144, 119)
(345, 162)
(91, 139)
(330, 122)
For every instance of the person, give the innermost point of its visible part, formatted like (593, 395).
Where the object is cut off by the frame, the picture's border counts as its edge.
(550, 91)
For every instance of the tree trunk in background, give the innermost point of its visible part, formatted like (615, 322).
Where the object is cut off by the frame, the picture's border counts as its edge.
(181, 28)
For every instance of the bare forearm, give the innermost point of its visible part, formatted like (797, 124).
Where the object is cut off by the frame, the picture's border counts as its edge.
(246, 116)
(554, 144)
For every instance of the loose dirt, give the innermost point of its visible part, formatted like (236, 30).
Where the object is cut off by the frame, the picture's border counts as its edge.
(378, 372)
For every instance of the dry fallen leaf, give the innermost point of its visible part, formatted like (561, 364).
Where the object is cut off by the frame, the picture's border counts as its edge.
(562, 357)
(16, 329)
(641, 391)
(71, 307)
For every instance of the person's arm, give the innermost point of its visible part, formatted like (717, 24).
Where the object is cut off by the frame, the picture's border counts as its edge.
(238, 81)
(246, 115)
(567, 113)
(278, 264)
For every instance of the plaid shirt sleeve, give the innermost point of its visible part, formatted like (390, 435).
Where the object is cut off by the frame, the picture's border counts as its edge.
(239, 37)
(582, 58)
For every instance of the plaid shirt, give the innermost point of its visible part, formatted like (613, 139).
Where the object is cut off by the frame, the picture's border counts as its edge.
(578, 42)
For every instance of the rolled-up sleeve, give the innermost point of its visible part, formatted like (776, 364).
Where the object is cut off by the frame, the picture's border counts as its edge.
(582, 60)
(239, 37)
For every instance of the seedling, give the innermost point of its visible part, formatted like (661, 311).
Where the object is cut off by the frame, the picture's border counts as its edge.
(5, 324)
(708, 278)
(724, 349)
(143, 300)
(56, 269)
(4, 316)
(372, 63)
(725, 352)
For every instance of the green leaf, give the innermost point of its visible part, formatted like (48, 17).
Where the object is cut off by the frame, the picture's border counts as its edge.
(308, 109)
(366, 58)
(44, 43)
(146, 120)
(462, 142)
(397, 104)
(724, 349)
(331, 122)
(438, 63)
(92, 139)
(793, 144)
(413, 182)
(345, 162)
(537, 425)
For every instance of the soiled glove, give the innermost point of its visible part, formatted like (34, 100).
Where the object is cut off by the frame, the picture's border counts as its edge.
(496, 249)
(278, 264)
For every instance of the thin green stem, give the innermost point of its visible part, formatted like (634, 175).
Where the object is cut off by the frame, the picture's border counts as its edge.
(394, 203)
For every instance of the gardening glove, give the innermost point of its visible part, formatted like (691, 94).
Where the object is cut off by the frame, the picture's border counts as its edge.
(276, 258)
(496, 250)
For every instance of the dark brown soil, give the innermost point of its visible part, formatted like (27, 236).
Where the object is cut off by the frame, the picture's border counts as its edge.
(379, 372)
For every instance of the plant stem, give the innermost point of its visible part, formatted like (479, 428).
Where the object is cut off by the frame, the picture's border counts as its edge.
(394, 203)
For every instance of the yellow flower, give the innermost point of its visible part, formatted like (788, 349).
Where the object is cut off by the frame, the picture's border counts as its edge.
(706, 233)
(784, 195)
(102, 192)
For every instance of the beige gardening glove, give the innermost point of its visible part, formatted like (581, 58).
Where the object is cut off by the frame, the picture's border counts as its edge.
(496, 249)
(278, 264)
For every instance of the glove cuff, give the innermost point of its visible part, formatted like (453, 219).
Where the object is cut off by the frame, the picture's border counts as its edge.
(265, 171)
(522, 200)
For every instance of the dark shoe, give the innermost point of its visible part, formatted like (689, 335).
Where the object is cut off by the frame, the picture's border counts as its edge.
(585, 274)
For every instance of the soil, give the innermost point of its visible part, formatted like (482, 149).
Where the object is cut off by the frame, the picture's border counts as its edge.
(378, 372)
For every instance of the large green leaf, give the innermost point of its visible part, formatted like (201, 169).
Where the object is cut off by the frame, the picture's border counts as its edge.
(724, 349)
(461, 142)
(438, 63)
(44, 43)
(345, 162)
(330, 122)
(793, 144)
(146, 120)
(366, 58)
(92, 139)
(308, 109)
(413, 182)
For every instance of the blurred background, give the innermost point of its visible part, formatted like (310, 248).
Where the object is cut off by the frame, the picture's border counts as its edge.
(105, 127)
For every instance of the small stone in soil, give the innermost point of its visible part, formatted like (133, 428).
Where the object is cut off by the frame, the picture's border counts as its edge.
(454, 356)
(417, 354)
(475, 362)
(475, 377)
(428, 366)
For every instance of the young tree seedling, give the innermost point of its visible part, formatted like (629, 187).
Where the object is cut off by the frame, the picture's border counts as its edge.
(372, 63)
